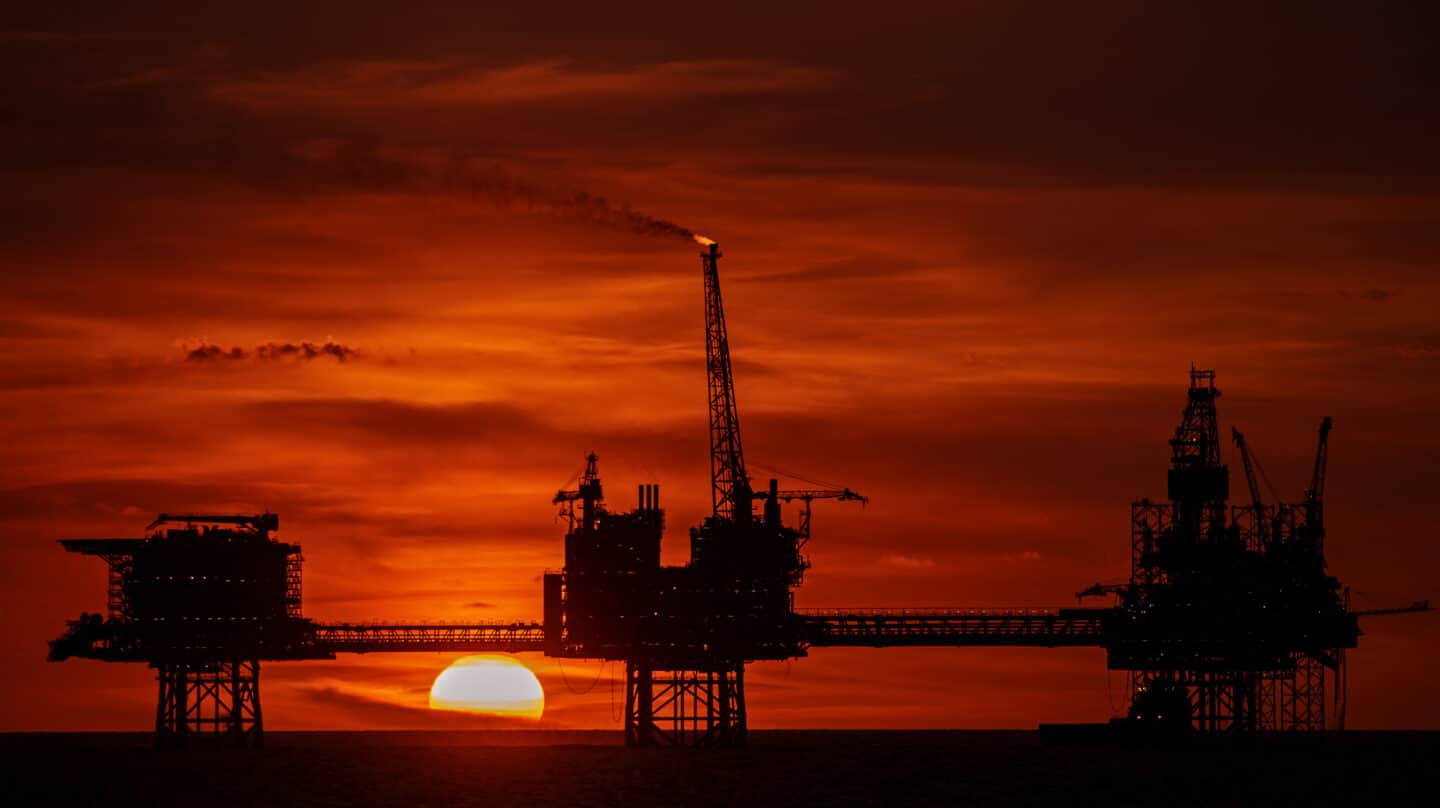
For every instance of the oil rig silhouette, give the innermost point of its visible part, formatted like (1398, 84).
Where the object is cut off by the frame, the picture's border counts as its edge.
(1229, 622)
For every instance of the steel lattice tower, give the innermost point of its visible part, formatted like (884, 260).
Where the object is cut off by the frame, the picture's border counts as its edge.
(729, 486)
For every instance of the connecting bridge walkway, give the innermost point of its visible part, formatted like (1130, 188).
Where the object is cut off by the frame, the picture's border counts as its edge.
(820, 628)
(880, 628)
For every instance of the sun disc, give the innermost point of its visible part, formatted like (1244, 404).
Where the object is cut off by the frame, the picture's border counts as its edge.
(495, 685)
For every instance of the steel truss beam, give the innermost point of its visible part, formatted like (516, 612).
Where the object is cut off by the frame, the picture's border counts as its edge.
(362, 638)
(952, 627)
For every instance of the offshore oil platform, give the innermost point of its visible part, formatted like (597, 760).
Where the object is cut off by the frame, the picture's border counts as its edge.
(1229, 624)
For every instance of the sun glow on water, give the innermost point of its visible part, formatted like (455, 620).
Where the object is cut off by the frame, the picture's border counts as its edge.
(495, 685)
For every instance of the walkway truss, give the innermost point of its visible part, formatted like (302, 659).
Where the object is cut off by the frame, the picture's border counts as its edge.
(204, 697)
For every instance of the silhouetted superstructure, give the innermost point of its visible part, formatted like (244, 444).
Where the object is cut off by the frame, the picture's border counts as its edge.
(1229, 621)
(203, 599)
(1228, 624)
(686, 632)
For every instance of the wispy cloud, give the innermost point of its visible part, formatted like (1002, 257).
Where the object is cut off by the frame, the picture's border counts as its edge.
(907, 562)
(378, 84)
(1374, 294)
(1418, 349)
(63, 37)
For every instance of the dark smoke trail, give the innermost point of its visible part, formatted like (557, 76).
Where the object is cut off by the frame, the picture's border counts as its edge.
(205, 352)
(305, 351)
(507, 192)
(376, 170)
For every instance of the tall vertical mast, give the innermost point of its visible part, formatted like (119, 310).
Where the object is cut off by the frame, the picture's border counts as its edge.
(1199, 482)
(730, 488)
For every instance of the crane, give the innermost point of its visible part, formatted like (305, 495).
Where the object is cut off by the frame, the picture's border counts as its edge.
(775, 496)
(589, 493)
(1315, 495)
(1252, 482)
(730, 494)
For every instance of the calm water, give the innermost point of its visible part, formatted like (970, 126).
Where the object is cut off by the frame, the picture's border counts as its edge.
(788, 768)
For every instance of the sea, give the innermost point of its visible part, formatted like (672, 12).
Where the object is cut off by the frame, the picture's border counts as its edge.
(785, 768)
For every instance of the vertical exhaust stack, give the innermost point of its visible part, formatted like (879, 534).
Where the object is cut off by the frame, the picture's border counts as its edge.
(649, 496)
(772, 504)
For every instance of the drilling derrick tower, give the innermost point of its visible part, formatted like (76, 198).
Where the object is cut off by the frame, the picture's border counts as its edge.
(1227, 624)
(1199, 483)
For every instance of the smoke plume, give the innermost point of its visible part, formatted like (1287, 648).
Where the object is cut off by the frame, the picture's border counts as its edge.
(397, 170)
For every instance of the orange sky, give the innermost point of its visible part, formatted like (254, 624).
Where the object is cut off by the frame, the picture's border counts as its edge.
(970, 257)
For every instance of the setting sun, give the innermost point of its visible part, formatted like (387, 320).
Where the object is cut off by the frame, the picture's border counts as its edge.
(497, 685)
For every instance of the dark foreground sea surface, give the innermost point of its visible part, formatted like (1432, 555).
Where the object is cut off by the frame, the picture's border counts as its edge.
(493, 768)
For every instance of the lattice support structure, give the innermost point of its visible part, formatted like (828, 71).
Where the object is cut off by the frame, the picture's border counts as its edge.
(219, 700)
(1226, 701)
(1288, 700)
(293, 586)
(684, 707)
(1307, 696)
(1148, 521)
(115, 590)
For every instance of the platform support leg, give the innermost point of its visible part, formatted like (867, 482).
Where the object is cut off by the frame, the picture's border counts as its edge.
(685, 707)
(216, 700)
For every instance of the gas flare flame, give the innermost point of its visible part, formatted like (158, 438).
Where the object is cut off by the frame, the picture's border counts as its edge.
(701, 240)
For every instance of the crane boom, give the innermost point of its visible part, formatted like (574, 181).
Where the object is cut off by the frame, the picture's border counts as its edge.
(776, 495)
(730, 493)
(1315, 497)
(807, 494)
(588, 494)
(1248, 463)
(1252, 481)
(1417, 606)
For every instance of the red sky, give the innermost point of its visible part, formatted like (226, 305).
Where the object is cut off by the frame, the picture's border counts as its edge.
(971, 253)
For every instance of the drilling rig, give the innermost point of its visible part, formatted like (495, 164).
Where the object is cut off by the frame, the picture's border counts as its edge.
(686, 633)
(1230, 622)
